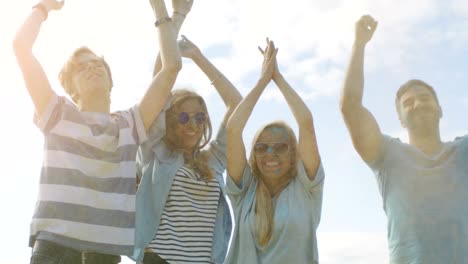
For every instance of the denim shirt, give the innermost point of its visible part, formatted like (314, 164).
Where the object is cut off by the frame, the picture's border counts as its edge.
(296, 217)
(158, 165)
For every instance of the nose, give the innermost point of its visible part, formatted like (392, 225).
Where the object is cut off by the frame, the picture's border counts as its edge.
(89, 66)
(270, 151)
(192, 122)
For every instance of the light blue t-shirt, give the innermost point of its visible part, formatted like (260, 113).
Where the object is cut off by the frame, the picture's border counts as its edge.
(426, 201)
(297, 216)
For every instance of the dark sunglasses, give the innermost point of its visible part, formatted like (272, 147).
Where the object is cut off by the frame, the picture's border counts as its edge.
(199, 117)
(278, 148)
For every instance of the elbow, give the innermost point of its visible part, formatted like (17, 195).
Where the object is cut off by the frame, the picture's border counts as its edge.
(19, 46)
(346, 106)
(307, 123)
(173, 66)
(170, 72)
(349, 109)
(232, 128)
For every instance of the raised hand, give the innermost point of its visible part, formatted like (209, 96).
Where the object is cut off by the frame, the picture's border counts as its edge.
(187, 48)
(269, 60)
(52, 4)
(182, 7)
(365, 28)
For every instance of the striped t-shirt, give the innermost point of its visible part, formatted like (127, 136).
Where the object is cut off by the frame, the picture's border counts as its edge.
(185, 233)
(87, 186)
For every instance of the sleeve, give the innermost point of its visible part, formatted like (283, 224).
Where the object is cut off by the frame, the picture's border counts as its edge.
(378, 164)
(52, 114)
(140, 130)
(311, 185)
(237, 192)
(314, 188)
(153, 136)
(462, 142)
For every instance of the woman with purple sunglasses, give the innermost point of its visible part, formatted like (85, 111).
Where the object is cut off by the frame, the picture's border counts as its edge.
(182, 210)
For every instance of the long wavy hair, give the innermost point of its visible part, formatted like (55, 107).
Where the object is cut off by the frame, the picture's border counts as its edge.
(264, 206)
(199, 159)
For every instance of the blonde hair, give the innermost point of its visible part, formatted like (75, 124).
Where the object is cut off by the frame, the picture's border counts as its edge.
(68, 69)
(199, 158)
(264, 207)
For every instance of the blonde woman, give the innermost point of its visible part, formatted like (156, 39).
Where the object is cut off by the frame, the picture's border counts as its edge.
(277, 194)
(182, 210)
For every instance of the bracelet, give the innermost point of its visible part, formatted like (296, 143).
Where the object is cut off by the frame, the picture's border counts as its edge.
(217, 77)
(162, 21)
(175, 12)
(43, 10)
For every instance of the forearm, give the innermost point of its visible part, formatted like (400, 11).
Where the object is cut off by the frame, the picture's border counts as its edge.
(244, 109)
(169, 51)
(299, 109)
(230, 95)
(352, 93)
(177, 21)
(27, 34)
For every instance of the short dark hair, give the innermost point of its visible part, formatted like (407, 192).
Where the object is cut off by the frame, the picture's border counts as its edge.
(407, 85)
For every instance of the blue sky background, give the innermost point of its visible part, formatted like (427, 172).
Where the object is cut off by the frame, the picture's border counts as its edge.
(425, 39)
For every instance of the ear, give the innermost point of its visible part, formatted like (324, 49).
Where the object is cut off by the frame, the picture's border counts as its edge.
(402, 122)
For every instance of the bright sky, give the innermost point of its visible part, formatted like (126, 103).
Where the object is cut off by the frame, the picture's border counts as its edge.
(424, 39)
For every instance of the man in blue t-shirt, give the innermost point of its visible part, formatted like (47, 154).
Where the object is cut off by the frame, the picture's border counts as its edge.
(422, 183)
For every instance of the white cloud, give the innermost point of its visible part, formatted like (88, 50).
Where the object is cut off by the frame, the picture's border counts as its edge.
(314, 40)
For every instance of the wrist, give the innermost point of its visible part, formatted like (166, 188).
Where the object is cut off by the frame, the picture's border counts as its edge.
(179, 14)
(42, 8)
(359, 44)
(277, 76)
(197, 56)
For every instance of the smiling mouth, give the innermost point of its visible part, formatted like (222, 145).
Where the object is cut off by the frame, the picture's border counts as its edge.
(191, 133)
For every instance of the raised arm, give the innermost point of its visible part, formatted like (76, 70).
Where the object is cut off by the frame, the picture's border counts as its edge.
(236, 159)
(34, 76)
(364, 130)
(307, 147)
(161, 85)
(226, 90)
(181, 9)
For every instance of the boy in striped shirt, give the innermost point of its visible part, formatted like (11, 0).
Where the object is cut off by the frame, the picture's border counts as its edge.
(85, 211)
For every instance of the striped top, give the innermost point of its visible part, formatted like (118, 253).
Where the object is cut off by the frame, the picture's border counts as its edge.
(87, 186)
(185, 233)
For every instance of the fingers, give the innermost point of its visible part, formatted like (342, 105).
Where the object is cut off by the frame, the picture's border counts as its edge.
(272, 57)
(57, 5)
(60, 4)
(185, 39)
(270, 49)
(261, 50)
(374, 26)
(188, 41)
(367, 22)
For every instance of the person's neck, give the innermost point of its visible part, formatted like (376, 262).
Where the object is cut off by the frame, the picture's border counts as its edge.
(275, 186)
(92, 105)
(428, 142)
